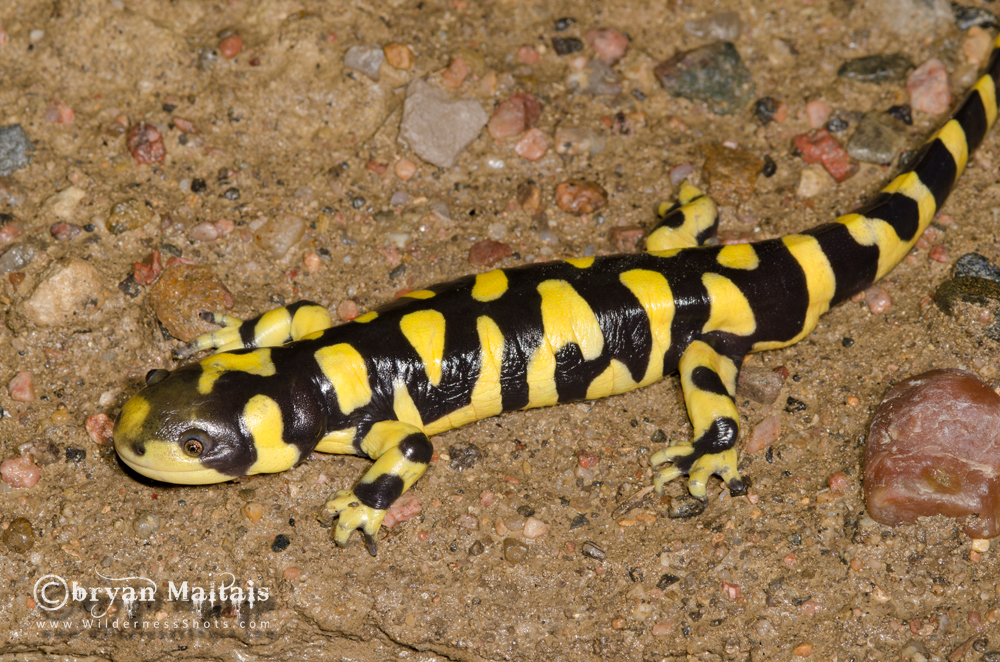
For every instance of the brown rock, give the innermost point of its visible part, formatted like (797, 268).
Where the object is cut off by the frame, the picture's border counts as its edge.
(580, 197)
(732, 173)
(182, 293)
(68, 291)
(529, 196)
(399, 56)
(145, 143)
(487, 252)
(626, 239)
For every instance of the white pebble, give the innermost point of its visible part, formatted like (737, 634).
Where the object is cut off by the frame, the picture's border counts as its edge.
(534, 528)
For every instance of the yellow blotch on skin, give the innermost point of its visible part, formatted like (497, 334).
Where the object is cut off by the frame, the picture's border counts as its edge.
(272, 328)
(738, 256)
(487, 399)
(953, 137)
(988, 93)
(309, 321)
(133, 415)
(703, 406)
(345, 369)
(338, 442)
(367, 317)
(731, 311)
(581, 262)
(262, 417)
(420, 294)
(257, 362)
(820, 282)
(653, 292)
(616, 378)
(404, 407)
(489, 286)
(567, 318)
(425, 330)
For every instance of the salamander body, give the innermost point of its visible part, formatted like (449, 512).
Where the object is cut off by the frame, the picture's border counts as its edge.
(288, 382)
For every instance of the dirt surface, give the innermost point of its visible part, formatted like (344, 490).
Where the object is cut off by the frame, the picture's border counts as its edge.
(794, 569)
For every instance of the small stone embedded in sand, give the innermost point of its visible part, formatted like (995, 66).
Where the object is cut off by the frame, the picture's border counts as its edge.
(145, 143)
(68, 291)
(731, 173)
(182, 293)
(609, 44)
(488, 252)
(404, 508)
(101, 428)
(15, 149)
(579, 197)
(130, 214)
(278, 235)
(819, 146)
(19, 537)
(436, 126)
(231, 46)
(714, 74)
(20, 472)
(514, 116)
(22, 387)
(399, 56)
(929, 88)
(934, 449)
(366, 59)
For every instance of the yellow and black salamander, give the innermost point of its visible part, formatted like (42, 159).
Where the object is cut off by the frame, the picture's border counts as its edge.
(288, 382)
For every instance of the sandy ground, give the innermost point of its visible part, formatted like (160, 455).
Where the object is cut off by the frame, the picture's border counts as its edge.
(761, 578)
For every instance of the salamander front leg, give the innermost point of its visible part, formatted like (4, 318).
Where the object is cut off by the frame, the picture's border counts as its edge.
(401, 453)
(708, 380)
(273, 328)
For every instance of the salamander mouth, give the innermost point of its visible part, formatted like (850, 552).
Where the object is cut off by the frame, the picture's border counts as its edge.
(159, 463)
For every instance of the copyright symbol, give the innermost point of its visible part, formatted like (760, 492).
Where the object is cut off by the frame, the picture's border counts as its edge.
(51, 592)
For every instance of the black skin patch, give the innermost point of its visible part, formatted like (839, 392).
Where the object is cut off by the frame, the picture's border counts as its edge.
(708, 380)
(380, 493)
(720, 436)
(854, 266)
(937, 170)
(900, 211)
(972, 117)
(417, 448)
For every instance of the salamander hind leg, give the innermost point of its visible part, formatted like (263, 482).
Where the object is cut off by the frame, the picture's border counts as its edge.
(273, 328)
(402, 453)
(708, 380)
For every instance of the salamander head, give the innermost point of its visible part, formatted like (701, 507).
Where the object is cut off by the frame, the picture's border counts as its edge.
(210, 422)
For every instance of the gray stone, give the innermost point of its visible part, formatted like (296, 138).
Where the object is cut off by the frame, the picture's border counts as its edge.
(876, 68)
(976, 266)
(714, 74)
(437, 127)
(366, 59)
(15, 149)
(967, 17)
(911, 18)
(69, 291)
(877, 139)
(725, 26)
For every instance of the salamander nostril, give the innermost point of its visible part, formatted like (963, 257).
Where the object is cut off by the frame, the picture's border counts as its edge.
(139, 448)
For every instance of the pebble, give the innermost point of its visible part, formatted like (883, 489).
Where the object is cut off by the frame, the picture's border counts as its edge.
(145, 143)
(402, 509)
(724, 26)
(731, 173)
(534, 528)
(514, 116)
(759, 384)
(10, 229)
(22, 387)
(877, 139)
(476, 548)
(436, 127)
(347, 310)
(205, 231)
(626, 238)
(64, 231)
(15, 149)
(456, 73)
(766, 108)
(929, 88)
(69, 291)
(19, 537)
(59, 112)
(533, 145)
(20, 472)
(464, 455)
(146, 524)
(976, 266)
(185, 125)
(609, 44)
(593, 551)
(399, 56)
(819, 146)
(277, 236)
(514, 551)
(876, 68)
(974, 302)
(75, 455)
(231, 46)
(529, 197)
(253, 511)
(818, 112)
(903, 113)
(714, 74)
(365, 59)
(837, 124)
(487, 252)
(528, 55)
(63, 204)
(580, 197)
(405, 169)
(977, 45)
(42, 453)
(291, 573)
(101, 428)
(566, 45)
(181, 294)
(764, 434)
(129, 215)
(973, 17)
(574, 140)
(912, 18)
(681, 172)
(877, 299)
(933, 447)
(281, 541)
(813, 181)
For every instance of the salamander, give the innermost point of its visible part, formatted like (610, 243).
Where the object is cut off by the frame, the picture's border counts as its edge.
(289, 382)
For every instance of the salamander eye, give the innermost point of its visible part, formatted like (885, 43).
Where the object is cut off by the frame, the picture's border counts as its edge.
(156, 376)
(195, 441)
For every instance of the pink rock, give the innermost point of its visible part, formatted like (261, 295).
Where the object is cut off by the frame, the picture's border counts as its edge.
(22, 387)
(527, 55)
(405, 507)
(820, 147)
(101, 429)
(609, 45)
(764, 434)
(934, 449)
(818, 112)
(534, 528)
(20, 472)
(929, 88)
(514, 116)
(59, 112)
(878, 299)
(533, 145)
(456, 73)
